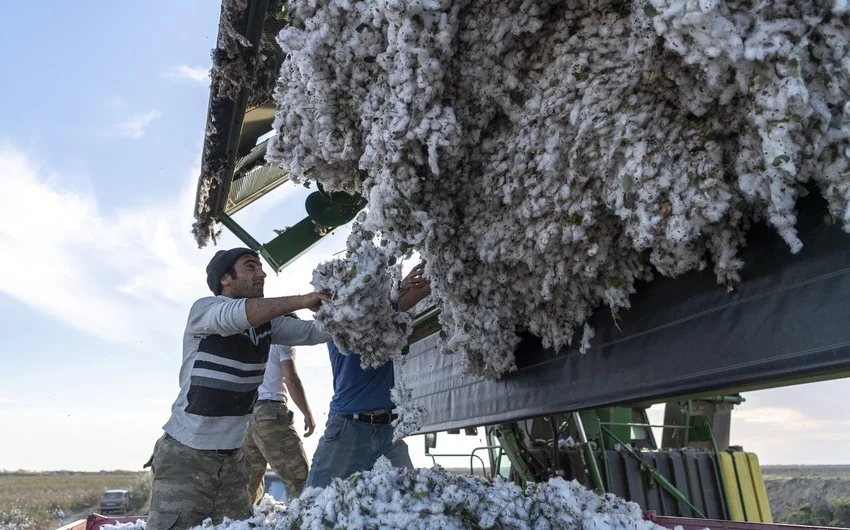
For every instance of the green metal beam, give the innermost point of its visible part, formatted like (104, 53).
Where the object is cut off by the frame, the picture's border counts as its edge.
(286, 247)
(246, 238)
(425, 324)
(510, 440)
(293, 242)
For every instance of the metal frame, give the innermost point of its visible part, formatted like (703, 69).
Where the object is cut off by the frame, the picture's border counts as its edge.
(656, 476)
(280, 251)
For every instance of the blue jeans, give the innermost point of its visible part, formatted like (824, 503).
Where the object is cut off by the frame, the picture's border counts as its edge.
(349, 446)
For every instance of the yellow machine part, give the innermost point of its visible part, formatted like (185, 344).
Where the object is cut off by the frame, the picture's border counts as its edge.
(743, 482)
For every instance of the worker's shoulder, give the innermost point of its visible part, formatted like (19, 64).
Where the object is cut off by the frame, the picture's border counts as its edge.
(207, 301)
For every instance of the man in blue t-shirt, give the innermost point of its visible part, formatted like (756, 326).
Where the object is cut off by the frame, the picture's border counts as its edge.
(359, 428)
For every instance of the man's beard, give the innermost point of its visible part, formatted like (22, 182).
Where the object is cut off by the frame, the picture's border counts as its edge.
(250, 291)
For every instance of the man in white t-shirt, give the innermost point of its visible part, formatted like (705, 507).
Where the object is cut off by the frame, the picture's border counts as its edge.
(271, 437)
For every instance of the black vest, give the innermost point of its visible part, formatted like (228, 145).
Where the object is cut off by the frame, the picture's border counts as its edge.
(221, 389)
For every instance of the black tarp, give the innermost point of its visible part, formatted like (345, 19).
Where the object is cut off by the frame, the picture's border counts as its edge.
(788, 319)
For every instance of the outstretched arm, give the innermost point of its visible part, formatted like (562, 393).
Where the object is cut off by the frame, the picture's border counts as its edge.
(296, 391)
(261, 310)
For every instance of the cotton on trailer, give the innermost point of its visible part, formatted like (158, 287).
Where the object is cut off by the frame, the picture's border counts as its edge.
(387, 497)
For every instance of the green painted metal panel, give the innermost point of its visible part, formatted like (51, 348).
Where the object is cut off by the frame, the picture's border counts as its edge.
(292, 243)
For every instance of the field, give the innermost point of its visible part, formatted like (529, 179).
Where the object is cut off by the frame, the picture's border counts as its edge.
(809, 494)
(43, 501)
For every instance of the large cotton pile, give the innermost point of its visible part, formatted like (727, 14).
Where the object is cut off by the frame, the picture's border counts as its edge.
(387, 497)
(544, 155)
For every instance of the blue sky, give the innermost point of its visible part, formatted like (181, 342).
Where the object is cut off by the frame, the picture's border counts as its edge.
(102, 111)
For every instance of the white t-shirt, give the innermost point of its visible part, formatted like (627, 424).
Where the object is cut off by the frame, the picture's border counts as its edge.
(273, 386)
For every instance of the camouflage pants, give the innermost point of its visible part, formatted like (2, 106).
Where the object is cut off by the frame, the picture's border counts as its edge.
(272, 439)
(190, 485)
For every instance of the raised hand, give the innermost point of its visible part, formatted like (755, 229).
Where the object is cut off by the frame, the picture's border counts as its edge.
(313, 301)
(414, 287)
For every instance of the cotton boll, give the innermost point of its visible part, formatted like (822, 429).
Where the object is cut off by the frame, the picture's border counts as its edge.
(360, 315)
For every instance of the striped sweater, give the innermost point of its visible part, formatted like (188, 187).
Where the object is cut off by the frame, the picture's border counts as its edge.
(224, 360)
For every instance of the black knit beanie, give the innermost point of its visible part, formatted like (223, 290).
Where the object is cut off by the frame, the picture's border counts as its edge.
(221, 263)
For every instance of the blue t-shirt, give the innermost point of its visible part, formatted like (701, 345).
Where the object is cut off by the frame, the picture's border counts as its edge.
(357, 390)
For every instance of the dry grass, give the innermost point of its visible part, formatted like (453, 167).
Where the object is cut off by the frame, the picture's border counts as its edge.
(42, 501)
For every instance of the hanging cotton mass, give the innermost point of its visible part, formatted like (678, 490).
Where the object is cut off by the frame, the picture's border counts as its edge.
(360, 316)
(543, 156)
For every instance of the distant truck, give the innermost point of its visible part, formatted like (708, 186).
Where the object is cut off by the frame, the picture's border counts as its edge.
(114, 501)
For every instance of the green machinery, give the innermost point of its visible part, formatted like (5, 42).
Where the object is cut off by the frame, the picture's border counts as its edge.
(614, 450)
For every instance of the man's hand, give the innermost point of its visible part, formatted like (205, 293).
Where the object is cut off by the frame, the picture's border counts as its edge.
(261, 310)
(414, 287)
(313, 301)
(309, 425)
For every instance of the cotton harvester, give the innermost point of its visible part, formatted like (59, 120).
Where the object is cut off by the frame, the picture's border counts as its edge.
(686, 342)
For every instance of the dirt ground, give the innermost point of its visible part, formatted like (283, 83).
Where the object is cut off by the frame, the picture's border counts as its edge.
(790, 486)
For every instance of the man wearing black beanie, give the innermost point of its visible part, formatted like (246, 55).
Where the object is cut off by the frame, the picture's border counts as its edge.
(197, 465)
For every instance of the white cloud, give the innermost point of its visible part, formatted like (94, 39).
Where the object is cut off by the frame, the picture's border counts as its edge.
(184, 72)
(10, 402)
(135, 125)
(778, 417)
(795, 425)
(124, 277)
(127, 276)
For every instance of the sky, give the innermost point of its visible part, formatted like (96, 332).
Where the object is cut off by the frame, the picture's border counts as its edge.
(102, 113)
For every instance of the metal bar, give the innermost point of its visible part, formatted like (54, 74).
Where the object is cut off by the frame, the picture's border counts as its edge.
(488, 436)
(509, 440)
(658, 477)
(240, 232)
(292, 243)
(589, 457)
(621, 424)
(495, 459)
(425, 324)
(716, 460)
(483, 465)
(687, 523)
(249, 241)
(605, 465)
(471, 457)
(735, 400)
(556, 460)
